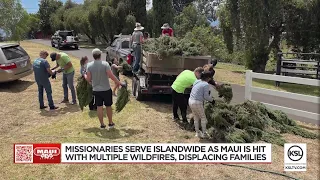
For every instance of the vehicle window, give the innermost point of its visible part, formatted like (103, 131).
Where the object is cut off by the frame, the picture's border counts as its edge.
(67, 33)
(114, 43)
(125, 44)
(14, 52)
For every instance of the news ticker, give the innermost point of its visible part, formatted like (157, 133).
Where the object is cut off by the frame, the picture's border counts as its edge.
(142, 153)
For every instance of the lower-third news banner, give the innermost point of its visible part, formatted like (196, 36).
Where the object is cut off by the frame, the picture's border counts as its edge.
(143, 153)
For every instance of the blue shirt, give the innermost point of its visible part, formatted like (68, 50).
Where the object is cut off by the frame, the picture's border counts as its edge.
(201, 91)
(41, 74)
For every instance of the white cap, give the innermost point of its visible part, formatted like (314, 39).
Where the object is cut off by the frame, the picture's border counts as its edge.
(96, 51)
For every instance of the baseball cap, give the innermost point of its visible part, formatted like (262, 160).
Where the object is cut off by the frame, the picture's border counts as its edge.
(96, 51)
(53, 56)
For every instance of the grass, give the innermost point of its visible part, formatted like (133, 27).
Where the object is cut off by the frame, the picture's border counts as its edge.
(145, 122)
(235, 74)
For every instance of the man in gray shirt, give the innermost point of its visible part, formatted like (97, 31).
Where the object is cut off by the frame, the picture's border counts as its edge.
(98, 74)
(136, 41)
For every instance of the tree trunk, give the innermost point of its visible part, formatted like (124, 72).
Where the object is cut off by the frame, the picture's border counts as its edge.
(260, 66)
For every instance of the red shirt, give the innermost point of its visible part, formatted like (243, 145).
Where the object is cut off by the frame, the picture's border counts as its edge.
(168, 32)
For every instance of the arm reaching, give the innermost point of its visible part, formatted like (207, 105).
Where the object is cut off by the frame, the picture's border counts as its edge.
(114, 79)
(207, 93)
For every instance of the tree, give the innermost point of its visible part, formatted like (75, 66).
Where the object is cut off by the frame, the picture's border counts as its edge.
(46, 9)
(260, 28)
(138, 8)
(179, 5)
(187, 20)
(163, 13)
(150, 20)
(14, 19)
(33, 23)
(209, 8)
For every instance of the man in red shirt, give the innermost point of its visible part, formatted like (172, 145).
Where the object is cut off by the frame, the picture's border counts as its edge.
(167, 30)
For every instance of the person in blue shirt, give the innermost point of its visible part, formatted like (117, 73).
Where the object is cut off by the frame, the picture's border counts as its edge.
(199, 94)
(42, 73)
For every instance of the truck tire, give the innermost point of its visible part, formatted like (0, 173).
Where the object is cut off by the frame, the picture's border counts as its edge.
(138, 95)
(59, 46)
(52, 44)
(76, 46)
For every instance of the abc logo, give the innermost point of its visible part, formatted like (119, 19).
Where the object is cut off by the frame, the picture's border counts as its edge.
(295, 153)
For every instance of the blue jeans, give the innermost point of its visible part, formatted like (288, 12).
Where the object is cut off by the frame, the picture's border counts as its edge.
(47, 87)
(137, 58)
(68, 81)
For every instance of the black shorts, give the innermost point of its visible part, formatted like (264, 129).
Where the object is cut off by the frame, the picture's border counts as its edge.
(103, 98)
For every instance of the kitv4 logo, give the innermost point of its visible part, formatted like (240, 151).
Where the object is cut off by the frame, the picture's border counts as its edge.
(295, 157)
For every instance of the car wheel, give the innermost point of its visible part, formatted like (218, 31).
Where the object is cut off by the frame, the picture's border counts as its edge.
(59, 46)
(138, 95)
(76, 46)
(52, 44)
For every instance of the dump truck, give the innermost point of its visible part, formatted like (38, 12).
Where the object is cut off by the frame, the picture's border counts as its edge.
(158, 73)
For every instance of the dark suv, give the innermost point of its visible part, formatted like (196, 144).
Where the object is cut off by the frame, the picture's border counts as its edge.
(64, 39)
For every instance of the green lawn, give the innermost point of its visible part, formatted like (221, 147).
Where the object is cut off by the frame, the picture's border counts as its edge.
(235, 74)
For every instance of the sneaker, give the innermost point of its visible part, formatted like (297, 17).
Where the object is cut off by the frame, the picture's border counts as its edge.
(53, 108)
(111, 125)
(205, 135)
(43, 107)
(198, 134)
(65, 101)
(103, 126)
(74, 103)
(176, 118)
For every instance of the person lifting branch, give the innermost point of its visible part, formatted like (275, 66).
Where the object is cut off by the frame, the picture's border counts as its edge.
(185, 79)
(167, 30)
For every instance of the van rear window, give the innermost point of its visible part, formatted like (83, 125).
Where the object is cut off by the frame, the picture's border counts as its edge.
(14, 52)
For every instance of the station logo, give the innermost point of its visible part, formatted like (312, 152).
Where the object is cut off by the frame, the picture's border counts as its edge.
(295, 157)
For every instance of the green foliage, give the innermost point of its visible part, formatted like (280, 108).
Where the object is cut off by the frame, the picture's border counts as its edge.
(250, 122)
(179, 5)
(162, 13)
(84, 92)
(170, 46)
(46, 9)
(139, 11)
(187, 20)
(225, 91)
(123, 98)
(14, 19)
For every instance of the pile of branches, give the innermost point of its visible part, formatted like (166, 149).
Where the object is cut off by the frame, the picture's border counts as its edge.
(84, 92)
(170, 46)
(249, 122)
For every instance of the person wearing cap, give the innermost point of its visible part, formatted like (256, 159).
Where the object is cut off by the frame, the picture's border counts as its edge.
(64, 62)
(167, 30)
(136, 41)
(98, 74)
(42, 73)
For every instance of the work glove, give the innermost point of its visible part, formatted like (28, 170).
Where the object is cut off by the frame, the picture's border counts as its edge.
(54, 75)
(60, 70)
(123, 84)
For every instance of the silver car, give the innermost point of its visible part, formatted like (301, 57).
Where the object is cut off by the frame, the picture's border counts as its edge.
(14, 62)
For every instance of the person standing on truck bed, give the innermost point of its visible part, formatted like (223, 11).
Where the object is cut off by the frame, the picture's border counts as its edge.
(136, 41)
(184, 80)
(167, 30)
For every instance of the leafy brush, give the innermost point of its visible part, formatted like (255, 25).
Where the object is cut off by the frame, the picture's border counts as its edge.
(123, 98)
(84, 92)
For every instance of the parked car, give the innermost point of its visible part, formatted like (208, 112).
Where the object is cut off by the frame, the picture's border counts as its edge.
(14, 62)
(64, 39)
(120, 49)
